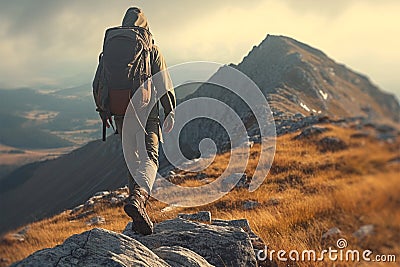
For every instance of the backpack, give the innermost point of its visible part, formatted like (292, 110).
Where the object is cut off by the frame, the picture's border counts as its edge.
(124, 68)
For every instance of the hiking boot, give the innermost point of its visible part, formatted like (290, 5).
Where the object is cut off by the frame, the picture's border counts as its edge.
(136, 209)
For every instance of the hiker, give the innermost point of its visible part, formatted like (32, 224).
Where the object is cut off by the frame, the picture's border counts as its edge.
(128, 59)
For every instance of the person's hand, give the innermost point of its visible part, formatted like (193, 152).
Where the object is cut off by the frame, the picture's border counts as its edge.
(109, 122)
(169, 122)
(107, 118)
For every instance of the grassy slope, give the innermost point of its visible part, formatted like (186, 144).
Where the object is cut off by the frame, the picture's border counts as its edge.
(316, 191)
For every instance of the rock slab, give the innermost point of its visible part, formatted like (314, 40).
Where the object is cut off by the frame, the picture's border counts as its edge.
(176, 242)
(97, 247)
(219, 245)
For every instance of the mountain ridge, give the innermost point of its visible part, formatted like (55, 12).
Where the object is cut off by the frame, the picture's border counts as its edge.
(282, 65)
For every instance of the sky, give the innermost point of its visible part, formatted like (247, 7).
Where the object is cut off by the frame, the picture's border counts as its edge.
(56, 43)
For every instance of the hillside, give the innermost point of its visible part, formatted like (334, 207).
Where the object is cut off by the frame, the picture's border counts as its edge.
(298, 80)
(294, 77)
(38, 120)
(61, 183)
(312, 188)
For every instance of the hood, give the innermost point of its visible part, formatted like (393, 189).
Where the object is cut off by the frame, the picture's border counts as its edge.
(134, 16)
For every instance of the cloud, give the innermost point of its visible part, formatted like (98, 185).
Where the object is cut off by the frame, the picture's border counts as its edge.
(48, 41)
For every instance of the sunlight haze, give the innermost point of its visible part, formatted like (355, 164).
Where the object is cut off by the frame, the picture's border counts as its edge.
(56, 43)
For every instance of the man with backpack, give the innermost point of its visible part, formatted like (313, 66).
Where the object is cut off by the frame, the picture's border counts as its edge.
(125, 74)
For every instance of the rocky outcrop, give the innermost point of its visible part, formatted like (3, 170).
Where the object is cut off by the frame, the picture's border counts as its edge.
(97, 247)
(298, 81)
(219, 245)
(176, 242)
(299, 78)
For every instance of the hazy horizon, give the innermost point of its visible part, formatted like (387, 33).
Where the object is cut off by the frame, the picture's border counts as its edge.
(56, 43)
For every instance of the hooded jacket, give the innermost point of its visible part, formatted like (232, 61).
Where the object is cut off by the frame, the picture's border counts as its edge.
(134, 17)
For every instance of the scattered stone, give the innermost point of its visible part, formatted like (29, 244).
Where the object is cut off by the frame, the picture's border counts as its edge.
(201, 216)
(102, 194)
(77, 209)
(249, 144)
(388, 137)
(273, 202)
(394, 160)
(384, 128)
(96, 220)
(364, 231)
(201, 176)
(89, 203)
(18, 237)
(219, 245)
(359, 135)
(256, 138)
(228, 182)
(250, 204)
(122, 196)
(331, 232)
(207, 180)
(311, 132)
(177, 256)
(168, 208)
(331, 144)
(82, 215)
(24, 230)
(114, 201)
(176, 178)
(4, 260)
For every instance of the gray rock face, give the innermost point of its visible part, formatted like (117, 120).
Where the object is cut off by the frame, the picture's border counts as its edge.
(201, 216)
(181, 257)
(96, 247)
(175, 242)
(219, 245)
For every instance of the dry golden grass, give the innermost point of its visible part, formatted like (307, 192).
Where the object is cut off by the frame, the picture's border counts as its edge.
(316, 191)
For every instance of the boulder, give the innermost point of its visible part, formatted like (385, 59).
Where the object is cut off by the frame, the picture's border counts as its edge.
(175, 242)
(177, 256)
(219, 245)
(97, 247)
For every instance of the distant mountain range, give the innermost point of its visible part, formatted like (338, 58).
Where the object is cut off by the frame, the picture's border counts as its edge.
(32, 120)
(298, 81)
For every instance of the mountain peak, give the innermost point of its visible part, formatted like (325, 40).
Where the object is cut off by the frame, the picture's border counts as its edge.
(299, 78)
(292, 44)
